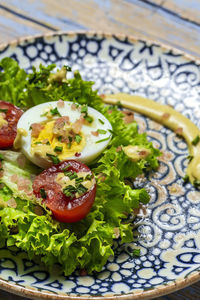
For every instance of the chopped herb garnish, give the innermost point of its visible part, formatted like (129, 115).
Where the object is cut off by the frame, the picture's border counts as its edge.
(1, 157)
(79, 180)
(69, 145)
(66, 167)
(119, 104)
(3, 110)
(54, 158)
(102, 122)
(78, 138)
(59, 138)
(54, 111)
(186, 179)
(196, 140)
(69, 190)
(43, 193)
(81, 189)
(84, 109)
(37, 143)
(47, 143)
(196, 183)
(70, 174)
(103, 140)
(101, 131)
(136, 252)
(58, 149)
(111, 131)
(69, 69)
(190, 157)
(88, 177)
(30, 128)
(89, 119)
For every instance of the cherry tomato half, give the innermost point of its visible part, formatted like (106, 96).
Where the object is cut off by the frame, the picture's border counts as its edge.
(8, 132)
(65, 209)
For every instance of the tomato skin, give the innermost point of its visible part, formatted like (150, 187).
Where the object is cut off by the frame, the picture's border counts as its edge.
(64, 209)
(8, 132)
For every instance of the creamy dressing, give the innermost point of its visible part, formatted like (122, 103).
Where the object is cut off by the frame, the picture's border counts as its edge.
(170, 118)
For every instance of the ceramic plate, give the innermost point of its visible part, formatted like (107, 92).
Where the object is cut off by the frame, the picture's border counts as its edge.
(169, 237)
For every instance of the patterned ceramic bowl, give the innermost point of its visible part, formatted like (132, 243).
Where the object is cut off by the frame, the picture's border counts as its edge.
(170, 234)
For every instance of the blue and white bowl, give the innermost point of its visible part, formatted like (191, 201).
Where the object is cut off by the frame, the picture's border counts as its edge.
(170, 233)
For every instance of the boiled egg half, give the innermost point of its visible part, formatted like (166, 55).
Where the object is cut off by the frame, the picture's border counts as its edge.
(55, 131)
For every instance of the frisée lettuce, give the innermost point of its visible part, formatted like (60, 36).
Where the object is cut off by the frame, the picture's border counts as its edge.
(26, 223)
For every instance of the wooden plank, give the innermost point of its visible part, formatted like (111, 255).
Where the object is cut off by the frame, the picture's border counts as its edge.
(187, 9)
(130, 17)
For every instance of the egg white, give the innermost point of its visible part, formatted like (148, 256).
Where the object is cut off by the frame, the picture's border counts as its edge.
(91, 150)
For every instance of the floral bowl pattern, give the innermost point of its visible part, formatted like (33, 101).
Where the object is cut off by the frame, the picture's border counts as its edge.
(169, 234)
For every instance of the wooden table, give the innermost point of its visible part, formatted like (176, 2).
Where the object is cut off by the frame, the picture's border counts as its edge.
(174, 22)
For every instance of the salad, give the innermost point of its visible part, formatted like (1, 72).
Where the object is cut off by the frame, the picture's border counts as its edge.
(59, 201)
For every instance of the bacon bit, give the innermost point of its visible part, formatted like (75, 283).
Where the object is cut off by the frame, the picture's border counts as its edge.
(179, 131)
(60, 103)
(59, 124)
(77, 125)
(83, 272)
(143, 153)
(73, 106)
(102, 96)
(21, 160)
(77, 154)
(38, 210)
(119, 148)
(95, 133)
(165, 116)
(110, 111)
(12, 203)
(128, 116)
(116, 232)
(36, 128)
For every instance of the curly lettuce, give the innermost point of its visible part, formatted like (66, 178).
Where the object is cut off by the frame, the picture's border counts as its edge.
(28, 225)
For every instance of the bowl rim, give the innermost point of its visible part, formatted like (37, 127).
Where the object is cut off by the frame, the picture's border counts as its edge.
(161, 290)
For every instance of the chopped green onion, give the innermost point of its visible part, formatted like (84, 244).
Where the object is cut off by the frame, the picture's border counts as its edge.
(78, 138)
(190, 157)
(81, 189)
(136, 252)
(3, 110)
(54, 158)
(66, 167)
(79, 180)
(70, 174)
(103, 140)
(47, 143)
(1, 157)
(69, 69)
(88, 177)
(38, 143)
(186, 178)
(59, 138)
(102, 122)
(196, 140)
(43, 193)
(58, 149)
(89, 119)
(101, 131)
(69, 190)
(54, 111)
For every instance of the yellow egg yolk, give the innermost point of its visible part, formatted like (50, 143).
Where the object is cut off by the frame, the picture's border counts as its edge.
(47, 142)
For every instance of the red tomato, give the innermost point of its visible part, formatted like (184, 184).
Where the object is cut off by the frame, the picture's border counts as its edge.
(8, 131)
(65, 209)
